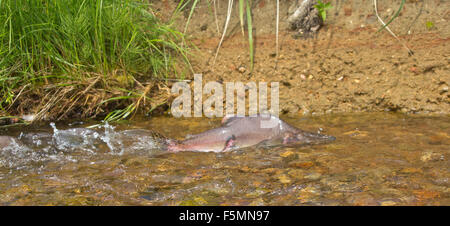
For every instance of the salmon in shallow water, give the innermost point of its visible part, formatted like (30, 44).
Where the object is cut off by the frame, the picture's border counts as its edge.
(241, 132)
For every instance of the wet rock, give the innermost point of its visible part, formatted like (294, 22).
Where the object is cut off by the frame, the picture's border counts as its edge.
(313, 176)
(286, 154)
(442, 181)
(411, 170)
(220, 189)
(361, 199)
(270, 171)
(301, 164)
(308, 194)
(437, 140)
(257, 202)
(200, 200)
(196, 201)
(388, 203)
(408, 200)
(401, 182)
(256, 193)
(423, 195)
(357, 133)
(289, 156)
(169, 179)
(431, 156)
(296, 173)
(284, 179)
(342, 184)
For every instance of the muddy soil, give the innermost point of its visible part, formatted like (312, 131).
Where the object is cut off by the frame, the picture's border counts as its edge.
(348, 67)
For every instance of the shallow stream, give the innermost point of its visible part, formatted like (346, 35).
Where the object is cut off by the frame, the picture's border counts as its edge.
(377, 159)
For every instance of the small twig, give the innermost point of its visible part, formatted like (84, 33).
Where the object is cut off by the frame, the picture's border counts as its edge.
(91, 85)
(143, 95)
(20, 92)
(417, 17)
(230, 7)
(277, 28)
(70, 107)
(215, 17)
(410, 52)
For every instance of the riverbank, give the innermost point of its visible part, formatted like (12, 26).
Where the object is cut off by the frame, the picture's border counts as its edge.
(73, 59)
(349, 67)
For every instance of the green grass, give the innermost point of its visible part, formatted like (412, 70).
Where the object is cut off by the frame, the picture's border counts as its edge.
(62, 41)
(397, 13)
(429, 25)
(322, 8)
(245, 9)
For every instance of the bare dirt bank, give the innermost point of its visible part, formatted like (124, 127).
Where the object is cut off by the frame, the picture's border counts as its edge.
(348, 67)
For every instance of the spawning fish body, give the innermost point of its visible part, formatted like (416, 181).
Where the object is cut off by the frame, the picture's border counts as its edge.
(241, 132)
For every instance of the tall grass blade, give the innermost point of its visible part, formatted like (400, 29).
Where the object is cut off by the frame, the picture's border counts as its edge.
(410, 52)
(250, 33)
(230, 8)
(190, 15)
(395, 16)
(241, 15)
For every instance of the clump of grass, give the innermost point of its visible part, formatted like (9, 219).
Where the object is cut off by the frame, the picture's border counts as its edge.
(322, 8)
(429, 25)
(82, 45)
(245, 9)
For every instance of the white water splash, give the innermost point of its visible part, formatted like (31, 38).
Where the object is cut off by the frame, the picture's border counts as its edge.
(73, 145)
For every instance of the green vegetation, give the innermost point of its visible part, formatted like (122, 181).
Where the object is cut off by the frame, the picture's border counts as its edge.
(322, 8)
(244, 9)
(250, 32)
(397, 13)
(429, 24)
(63, 49)
(385, 25)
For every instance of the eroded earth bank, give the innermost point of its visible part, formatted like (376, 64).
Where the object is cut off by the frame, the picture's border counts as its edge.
(347, 67)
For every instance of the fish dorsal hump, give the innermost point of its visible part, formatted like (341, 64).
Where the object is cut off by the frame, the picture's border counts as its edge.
(229, 119)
